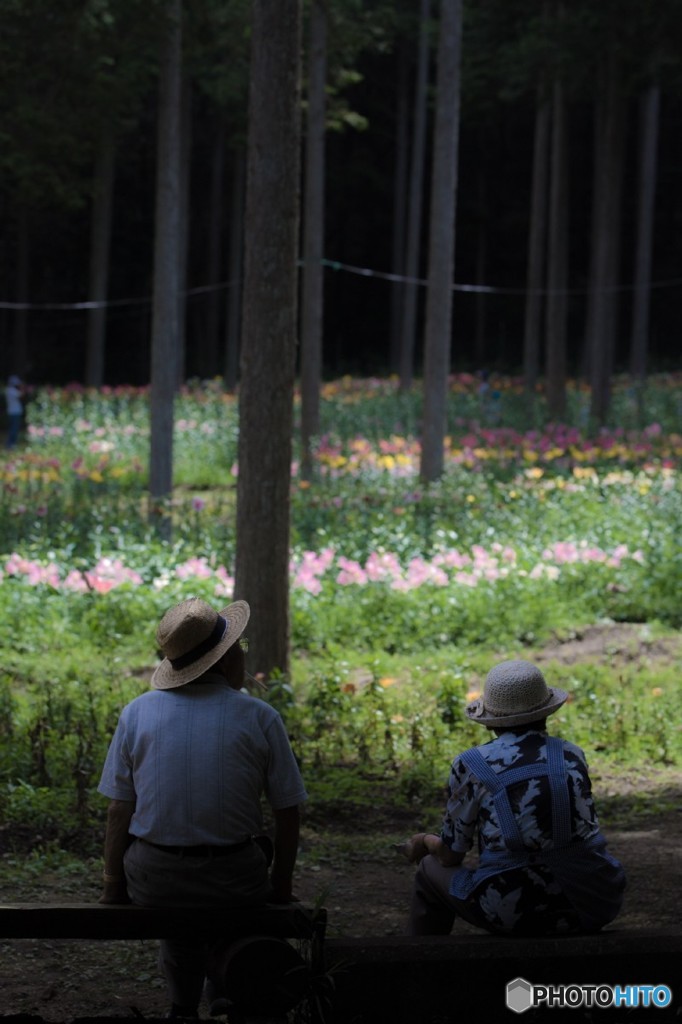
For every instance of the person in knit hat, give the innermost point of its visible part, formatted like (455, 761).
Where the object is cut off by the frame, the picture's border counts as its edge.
(186, 770)
(526, 798)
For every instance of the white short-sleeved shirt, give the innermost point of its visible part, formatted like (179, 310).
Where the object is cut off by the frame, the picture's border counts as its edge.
(197, 760)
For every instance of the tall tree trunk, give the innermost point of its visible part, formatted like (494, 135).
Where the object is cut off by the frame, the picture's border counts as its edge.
(164, 354)
(20, 352)
(408, 338)
(233, 315)
(480, 297)
(313, 237)
(441, 241)
(399, 207)
(269, 331)
(648, 161)
(214, 234)
(184, 221)
(557, 262)
(607, 209)
(100, 247)
(537, 236)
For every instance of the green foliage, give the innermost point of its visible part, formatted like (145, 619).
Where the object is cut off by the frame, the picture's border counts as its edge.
(569, 532)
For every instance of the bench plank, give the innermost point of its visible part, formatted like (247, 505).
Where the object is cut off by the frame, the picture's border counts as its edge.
(127, 921)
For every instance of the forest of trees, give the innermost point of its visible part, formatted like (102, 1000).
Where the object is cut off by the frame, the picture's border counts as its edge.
(563, 233)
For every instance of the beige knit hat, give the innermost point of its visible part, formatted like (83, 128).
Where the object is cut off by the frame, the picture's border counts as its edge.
(515, 693)
(193, 636)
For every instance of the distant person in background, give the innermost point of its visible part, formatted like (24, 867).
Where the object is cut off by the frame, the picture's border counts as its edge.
(543, 868)
(14, 396)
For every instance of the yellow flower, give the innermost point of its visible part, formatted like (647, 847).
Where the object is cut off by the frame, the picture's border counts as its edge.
(96, 476)
(656, 691)
(387, 681)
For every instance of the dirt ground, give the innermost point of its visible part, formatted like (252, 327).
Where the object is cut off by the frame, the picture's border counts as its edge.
(364, 893)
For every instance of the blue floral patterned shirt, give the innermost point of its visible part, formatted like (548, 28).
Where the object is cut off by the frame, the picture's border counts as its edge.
(527, 898)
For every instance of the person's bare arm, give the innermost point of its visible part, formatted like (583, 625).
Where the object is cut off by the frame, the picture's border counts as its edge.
(116, 841)
(287, 827)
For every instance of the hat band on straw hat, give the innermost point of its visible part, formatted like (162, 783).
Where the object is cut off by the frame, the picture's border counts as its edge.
(211, 641)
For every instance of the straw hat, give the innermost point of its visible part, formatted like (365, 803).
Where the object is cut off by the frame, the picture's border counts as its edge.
(193, 636)
(515, 693)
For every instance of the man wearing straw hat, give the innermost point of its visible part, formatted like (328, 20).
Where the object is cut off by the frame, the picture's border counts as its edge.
(185, 773)
(526, 796)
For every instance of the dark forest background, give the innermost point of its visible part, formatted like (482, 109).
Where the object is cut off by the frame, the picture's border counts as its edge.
(71, 70)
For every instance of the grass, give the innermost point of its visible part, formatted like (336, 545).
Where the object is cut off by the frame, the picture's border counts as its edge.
(402, 595)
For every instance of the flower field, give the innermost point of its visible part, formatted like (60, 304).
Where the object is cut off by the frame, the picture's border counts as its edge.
(402, 594)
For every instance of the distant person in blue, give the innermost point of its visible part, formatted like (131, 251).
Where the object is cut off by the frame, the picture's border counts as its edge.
(14, 396)
(526, 798)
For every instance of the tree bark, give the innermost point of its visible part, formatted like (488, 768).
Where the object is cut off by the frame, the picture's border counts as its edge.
(441, 241)
(537, 236)
(408, 338)
(233, 315)
(100, 247)
(20, 349)
(606, 237)
(399, 207)
(557, 262)
(184, 221)
(164, 356)
(269, 331)
(214, 236)
(648, 161)
(313, 238)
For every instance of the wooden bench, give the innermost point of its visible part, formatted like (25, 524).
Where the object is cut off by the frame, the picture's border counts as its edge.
(396, 978)
(464, 976)
(264, 926)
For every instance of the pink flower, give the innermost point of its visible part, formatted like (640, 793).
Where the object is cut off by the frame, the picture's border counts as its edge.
(350, 572)
(194, 568)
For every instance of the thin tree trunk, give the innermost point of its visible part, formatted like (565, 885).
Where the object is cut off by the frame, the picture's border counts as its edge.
(648, 161)
(269, 331)
(537, 236)
(557, 262)
(441, 241)
(20, 352)
(164, 366)
(100, 247)
(408, 338)
(480, 298)
(233, 315)
(399, 207)
(607, 242)
(214, 257)
(184, 221)
(313, 238)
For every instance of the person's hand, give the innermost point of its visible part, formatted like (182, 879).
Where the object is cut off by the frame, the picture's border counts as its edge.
(114, 893)
(414, 849)
(282, 895)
